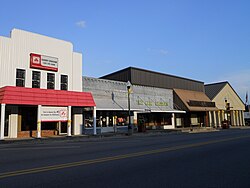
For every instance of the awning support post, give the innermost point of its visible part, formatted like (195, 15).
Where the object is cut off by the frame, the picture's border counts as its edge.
(38, 133)
(69, 122)
(2, 121)
(94, 120)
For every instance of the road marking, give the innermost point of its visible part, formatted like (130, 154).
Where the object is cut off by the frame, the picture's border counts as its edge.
(112, 158)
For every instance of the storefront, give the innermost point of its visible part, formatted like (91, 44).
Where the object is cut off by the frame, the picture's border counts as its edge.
(197, 105)
(230, 106)
(150, 107)
(40, 87)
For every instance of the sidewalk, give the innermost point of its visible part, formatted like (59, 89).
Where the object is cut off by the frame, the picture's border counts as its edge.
(112, 134)
(84, 137)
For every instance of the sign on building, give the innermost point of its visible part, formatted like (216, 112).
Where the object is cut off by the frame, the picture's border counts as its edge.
(53, 113)
(43, 62)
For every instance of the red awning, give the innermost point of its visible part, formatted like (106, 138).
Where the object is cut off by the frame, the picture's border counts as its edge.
(48, 97)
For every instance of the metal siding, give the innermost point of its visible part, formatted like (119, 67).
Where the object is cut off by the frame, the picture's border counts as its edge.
(146, 78)
(113, 95)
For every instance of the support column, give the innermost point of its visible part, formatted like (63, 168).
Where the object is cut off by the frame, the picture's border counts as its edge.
(237, 118)
(243, 118)
(69, 122)
(215, 119)
(94, 120)
(173, 120)
(239, 115)
(114, 123)
(210, 119)
(219, 118)
(107, 121)
(2, 121)
(38, 132)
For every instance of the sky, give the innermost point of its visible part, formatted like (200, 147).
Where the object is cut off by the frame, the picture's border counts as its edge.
(205, 40)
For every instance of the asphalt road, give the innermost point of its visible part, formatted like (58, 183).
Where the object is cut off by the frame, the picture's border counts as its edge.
(216, 159)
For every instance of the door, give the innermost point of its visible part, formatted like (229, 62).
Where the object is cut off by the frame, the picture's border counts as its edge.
(6, 123)
(63, 127)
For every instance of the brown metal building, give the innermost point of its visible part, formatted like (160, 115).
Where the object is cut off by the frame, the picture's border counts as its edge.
(189, 95)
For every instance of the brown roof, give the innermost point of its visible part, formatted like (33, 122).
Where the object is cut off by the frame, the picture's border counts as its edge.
(195, 101)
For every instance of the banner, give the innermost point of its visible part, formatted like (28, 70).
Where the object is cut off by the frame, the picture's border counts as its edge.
(54, 113)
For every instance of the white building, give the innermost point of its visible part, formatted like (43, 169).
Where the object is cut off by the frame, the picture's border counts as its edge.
(40, 86)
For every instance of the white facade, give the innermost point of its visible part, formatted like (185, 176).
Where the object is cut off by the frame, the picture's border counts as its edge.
(15, 54)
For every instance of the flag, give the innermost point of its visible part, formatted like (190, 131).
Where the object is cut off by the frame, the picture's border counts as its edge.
(246, 98)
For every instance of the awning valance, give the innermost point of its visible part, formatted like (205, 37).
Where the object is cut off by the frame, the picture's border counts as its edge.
(194, 100)
(48, 97)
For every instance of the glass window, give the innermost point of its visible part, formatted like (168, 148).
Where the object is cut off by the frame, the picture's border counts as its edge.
(64, 82)
(20, 77)
(50, 81)
(36, 79)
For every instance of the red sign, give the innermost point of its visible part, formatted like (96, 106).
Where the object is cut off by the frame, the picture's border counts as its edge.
(43, 62)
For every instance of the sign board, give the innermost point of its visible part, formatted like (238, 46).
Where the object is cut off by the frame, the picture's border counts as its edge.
(54, 113)
(247, 115)
(43, 62)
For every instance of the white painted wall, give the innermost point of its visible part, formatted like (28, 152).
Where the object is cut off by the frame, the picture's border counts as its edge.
(15, 53)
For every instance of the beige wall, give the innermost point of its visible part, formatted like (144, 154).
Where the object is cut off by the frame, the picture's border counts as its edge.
(228, 93)
(237, 106)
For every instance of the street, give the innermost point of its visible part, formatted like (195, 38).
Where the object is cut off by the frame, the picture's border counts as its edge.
(213, 159)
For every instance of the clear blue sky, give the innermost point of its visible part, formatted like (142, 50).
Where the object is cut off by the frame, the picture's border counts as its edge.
(206, 40)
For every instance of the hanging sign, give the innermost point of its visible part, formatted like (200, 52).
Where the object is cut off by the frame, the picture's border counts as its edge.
(54, 113)
(43, 62)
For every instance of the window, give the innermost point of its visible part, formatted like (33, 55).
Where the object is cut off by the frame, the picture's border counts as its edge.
(20, 77)
(64, 82)
(50, 81)
(36, 79)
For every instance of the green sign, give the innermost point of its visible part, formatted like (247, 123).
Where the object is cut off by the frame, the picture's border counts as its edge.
(149, 103)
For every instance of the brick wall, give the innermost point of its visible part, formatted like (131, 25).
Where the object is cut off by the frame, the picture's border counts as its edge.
(44, 133)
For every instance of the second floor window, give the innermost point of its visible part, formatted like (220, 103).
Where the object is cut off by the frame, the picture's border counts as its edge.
(36, 79)
(50, 81)
(64, 82)
(20, 77)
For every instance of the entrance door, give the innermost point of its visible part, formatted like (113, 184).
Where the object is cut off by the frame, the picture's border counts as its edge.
(63, 127)
(6, 123)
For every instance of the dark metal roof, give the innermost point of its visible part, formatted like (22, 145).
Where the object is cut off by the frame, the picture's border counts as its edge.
(143, 77)
(144, 70)
(213, 89)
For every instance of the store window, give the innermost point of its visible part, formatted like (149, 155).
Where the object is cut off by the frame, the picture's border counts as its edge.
(64, 82)
(20, 77)
(50, 81)
(36, 79)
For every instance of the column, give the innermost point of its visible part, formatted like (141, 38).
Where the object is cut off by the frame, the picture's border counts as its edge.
(233, 118)
(215, 119)
(237, 118)
(69, 122)
(38, 132)
(114, 124)
(173, 120)
(210, 119)
(243, 118)
(219, 118)
(107, 120)
(94, 120)
(2, 121)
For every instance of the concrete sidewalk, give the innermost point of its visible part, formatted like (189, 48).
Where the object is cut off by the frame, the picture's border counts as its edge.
(112, 134)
